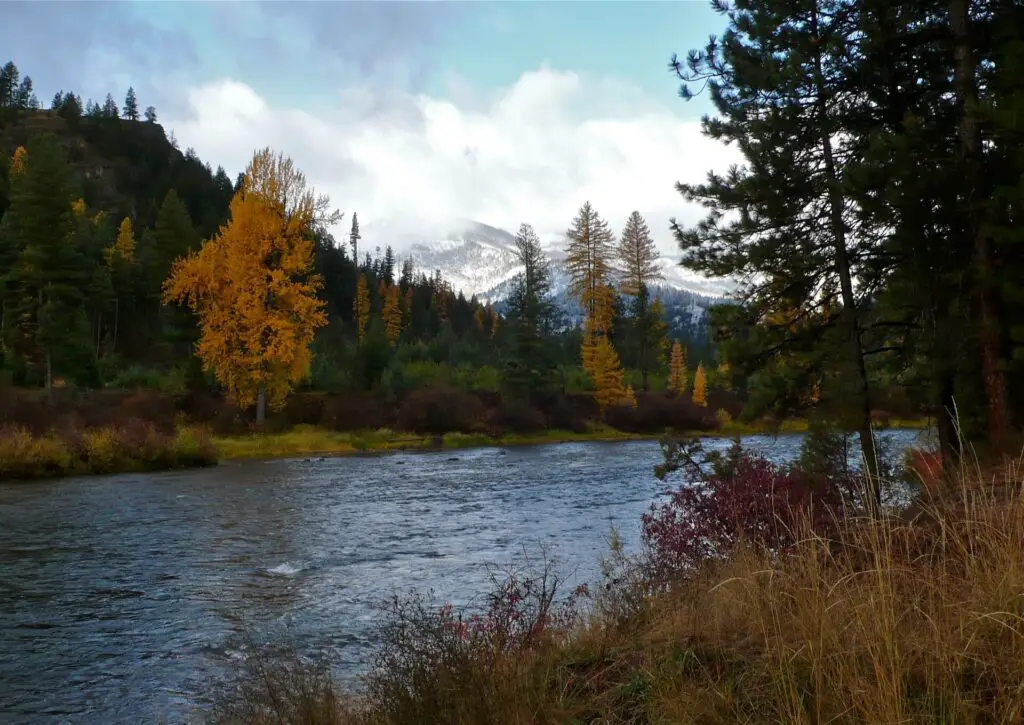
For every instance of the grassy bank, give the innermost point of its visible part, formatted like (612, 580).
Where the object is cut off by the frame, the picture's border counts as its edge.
(309, 440)
(135, 447)
(887, 621)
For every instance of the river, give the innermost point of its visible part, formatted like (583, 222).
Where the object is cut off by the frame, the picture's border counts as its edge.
(122, 596)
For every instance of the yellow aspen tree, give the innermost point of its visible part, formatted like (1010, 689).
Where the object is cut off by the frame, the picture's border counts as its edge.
(392, 313)
(251, 286)
(362, 308)
(478, 319)
(78, 207)
(700, 387)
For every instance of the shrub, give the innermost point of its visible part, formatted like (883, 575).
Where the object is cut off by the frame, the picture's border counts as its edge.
(440, 410)
(355, 412)
(656, 412)
(516, 416)
(744, 498)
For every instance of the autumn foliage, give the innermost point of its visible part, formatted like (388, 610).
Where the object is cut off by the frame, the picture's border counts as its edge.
(251, 285)
(678, 379)
(700, 385)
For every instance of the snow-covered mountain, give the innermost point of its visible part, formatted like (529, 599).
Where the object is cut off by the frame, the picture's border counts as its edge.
(477, 259)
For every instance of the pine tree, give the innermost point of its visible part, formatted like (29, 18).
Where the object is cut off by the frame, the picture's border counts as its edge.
(150, 115)
(110, 107)
(9, 77)
(131, 105)
(678, 379)
(252, 286)
(700, 387)
(780, 81)
(354, 237)
(44, 314)
(531, 366)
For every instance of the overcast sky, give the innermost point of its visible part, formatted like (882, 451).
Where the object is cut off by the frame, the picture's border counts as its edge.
(409, 113)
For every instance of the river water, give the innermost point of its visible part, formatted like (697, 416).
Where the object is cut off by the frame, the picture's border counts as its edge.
(122, 596)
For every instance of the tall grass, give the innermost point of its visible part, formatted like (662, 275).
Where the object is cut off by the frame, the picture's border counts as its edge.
(904, 619)
(136, 446)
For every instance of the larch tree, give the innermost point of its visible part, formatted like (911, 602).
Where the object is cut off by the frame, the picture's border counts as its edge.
(607, 376)
(362, 308)
(678, 375)
(252, 288)
(700, 383)
(639, 269)
(392, 313)
(588, 262)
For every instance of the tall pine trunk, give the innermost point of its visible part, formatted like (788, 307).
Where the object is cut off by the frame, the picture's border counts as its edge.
(842, 259)
(978, 223)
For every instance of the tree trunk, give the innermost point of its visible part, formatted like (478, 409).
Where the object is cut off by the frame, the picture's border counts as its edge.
(261, 405)
(117, 310)
(978, 224)
(856, 349)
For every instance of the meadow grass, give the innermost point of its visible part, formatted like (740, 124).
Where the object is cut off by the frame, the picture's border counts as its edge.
(897, 620)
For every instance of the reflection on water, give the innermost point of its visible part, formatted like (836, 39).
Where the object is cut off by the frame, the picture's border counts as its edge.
(121, 596)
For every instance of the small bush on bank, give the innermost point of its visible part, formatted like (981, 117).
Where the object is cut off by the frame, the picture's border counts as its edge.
(655, 412)
(136, 446)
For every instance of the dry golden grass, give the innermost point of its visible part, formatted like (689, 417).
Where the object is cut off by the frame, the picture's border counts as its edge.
(900, 621)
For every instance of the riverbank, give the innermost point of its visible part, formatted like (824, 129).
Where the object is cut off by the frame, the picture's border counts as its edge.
(138, 447)
(310, 440)
(925, 605)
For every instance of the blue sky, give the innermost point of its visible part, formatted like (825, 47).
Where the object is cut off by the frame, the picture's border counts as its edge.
(503, 110)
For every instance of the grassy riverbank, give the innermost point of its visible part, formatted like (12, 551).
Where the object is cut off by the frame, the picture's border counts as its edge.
(895, 620)
(308, 440)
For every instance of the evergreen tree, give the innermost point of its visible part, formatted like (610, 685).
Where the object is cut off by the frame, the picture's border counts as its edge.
(778, 79)
(530, 367)
(131, 105)
(150, 114)
(9, 77)
(44, 316)
(588, 262)
(110, 107)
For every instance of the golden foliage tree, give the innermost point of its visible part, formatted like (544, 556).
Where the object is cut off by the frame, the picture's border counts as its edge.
(392, 313)
(478, 319)
(678, 375)
(251, 285)
(124, 245)
(700, 393)
(362, 311)
(606, 374)
(18, 160)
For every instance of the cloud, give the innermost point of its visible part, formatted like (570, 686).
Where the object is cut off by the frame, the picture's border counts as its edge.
(533, 152)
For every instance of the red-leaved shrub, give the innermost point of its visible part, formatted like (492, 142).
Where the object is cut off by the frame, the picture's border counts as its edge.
(744, 499)
(440, 410)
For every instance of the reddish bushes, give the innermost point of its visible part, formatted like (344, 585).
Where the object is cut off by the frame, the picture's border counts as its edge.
(355, 412)
(515, 416)
(656, 412)
(744, 498)
(440, 410)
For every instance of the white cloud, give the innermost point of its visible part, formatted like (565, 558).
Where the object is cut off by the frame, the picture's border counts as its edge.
(532, 152)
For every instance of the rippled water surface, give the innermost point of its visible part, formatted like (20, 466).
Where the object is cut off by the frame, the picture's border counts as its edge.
(120, 597)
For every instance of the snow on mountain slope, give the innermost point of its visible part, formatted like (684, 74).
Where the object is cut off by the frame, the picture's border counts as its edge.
(478, 259)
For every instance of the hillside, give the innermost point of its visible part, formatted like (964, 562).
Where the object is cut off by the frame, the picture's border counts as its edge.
(125, 168)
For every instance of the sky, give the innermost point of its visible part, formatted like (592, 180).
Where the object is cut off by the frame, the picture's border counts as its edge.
(416, 114)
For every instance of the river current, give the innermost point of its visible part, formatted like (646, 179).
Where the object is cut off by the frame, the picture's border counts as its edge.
(121, 597)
